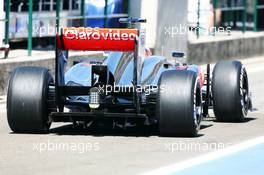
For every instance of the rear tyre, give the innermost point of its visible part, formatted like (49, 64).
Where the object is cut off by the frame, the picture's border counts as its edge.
(179, 104)
(230, 91)
(27, 108)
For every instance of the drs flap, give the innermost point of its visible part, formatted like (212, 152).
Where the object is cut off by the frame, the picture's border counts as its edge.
(97, 39)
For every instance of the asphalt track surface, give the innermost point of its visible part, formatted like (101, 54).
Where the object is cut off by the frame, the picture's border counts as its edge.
(136, 150)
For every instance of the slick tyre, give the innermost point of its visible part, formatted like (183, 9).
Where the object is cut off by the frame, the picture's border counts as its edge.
(230, 91)
(27, 109)
(179, 105)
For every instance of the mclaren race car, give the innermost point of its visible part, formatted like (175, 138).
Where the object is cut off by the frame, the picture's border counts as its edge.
(128, 87)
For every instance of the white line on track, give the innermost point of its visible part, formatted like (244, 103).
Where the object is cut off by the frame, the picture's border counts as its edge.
(206, 158)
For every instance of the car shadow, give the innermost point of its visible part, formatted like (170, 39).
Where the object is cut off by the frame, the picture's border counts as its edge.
(135, 131)
(246, 120)
(204, 126)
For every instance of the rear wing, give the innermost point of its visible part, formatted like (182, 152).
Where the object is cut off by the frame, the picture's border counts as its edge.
(91, 39)
(97, 39)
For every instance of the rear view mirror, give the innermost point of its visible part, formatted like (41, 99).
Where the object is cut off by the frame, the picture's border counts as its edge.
(132, 20)
(178, 54)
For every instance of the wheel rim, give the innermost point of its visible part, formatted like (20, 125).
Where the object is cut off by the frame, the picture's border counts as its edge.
(244, 97)
(197, 106)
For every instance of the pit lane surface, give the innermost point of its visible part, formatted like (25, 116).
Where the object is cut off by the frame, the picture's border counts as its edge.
(135, 150)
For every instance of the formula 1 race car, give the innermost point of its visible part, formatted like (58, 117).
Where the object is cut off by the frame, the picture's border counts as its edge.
(128, 87)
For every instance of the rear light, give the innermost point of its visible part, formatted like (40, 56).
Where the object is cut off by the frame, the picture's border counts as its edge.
(94, 99)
